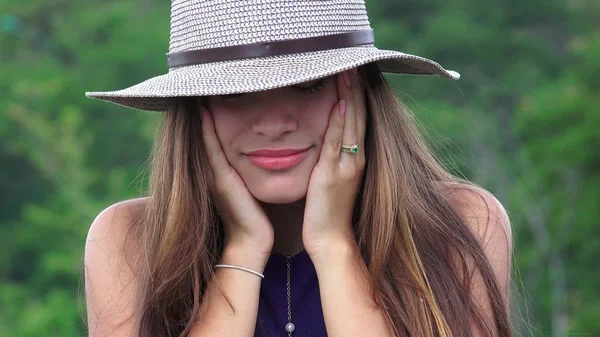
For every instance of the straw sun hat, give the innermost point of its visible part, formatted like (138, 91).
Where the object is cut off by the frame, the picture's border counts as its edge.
(220, 47)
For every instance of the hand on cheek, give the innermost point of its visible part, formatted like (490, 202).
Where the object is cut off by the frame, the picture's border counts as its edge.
(335, 178)
(246, 225)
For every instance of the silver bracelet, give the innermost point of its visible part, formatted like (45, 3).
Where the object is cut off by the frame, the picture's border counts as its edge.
(240, 268)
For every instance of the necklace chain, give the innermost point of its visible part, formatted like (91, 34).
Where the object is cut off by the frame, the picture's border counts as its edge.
(289, 291)
(289, 296)
(289, 255)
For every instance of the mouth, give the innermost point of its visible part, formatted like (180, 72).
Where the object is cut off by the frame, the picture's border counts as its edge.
(279, 159)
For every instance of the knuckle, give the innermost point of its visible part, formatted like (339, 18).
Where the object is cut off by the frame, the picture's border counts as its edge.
(335, 144)
(325, 177)
(228, 175)
(331, 182)
(222, 183)
(361, 163)
(350, 172)
(220, 187)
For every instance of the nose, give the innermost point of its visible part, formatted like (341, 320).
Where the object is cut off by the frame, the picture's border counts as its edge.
(274, 120)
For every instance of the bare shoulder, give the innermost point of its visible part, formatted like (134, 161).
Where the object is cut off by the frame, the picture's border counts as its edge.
(113, 222)
(111, 256)
(485, 215)
(489, 221)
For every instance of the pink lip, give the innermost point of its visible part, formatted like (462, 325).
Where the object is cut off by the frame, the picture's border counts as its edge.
(277, 159)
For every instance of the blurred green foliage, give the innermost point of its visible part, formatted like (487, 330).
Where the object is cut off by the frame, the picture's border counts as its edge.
(522, 122)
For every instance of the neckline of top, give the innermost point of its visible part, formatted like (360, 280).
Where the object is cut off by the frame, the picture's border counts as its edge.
(291, 256)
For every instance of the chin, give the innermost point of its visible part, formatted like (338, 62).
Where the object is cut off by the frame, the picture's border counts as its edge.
(274, 193)
(281, 187)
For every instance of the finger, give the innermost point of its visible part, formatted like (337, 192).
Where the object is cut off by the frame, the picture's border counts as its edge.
(214, 152)
(345, 92)
(330, 152)
(349, 136)
(360, 108)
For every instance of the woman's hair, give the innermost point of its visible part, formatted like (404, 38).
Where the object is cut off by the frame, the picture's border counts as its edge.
(419, 251)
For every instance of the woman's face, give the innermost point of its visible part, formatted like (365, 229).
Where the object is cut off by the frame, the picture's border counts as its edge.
(294, 117)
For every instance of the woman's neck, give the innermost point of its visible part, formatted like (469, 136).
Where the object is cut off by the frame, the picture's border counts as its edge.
(287, 225)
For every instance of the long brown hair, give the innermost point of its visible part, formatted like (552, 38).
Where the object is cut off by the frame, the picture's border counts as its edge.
(415, 243)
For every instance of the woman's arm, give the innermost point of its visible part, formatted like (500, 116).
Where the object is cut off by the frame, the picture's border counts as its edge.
(242, 289)
(347, 305)
(111, 283)
(348, 308)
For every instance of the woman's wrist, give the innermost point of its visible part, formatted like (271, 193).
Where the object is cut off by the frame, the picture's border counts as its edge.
(245, 256)
(335, 248)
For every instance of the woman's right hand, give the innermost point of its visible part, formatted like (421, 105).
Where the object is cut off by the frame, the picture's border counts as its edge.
(247, 227)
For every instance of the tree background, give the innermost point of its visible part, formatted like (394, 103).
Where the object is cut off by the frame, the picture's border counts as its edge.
(522, 122)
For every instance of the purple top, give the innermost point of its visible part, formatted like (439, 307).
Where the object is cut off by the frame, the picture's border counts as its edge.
(307, 314)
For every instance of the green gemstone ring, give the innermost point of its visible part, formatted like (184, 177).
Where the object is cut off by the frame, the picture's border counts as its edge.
(350, 148)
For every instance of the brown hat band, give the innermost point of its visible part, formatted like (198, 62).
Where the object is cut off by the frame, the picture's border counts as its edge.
(273, 48)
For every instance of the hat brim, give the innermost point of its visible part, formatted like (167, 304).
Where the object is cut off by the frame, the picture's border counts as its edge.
(258, 74)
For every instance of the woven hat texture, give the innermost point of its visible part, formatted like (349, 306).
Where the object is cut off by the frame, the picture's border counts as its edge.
(206, 24)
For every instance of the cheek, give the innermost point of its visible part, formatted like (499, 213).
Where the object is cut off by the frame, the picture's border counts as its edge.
(316, 117)
(318, 122)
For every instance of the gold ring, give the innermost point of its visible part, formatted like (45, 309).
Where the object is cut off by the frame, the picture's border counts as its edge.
(353, 148)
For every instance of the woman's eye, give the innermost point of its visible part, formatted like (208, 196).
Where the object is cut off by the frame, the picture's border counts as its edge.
(230, 97)
(313, 88)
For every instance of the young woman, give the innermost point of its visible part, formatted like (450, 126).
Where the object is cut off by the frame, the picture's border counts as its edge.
(291, 193)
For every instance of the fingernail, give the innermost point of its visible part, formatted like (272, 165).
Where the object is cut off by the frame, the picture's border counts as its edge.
(346, 79)
(355, 71)
(342, 108)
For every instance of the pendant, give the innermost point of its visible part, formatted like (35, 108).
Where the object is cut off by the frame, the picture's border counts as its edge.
(289, 327)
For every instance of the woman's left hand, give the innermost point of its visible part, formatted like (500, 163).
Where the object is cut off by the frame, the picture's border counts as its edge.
(336, 177)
